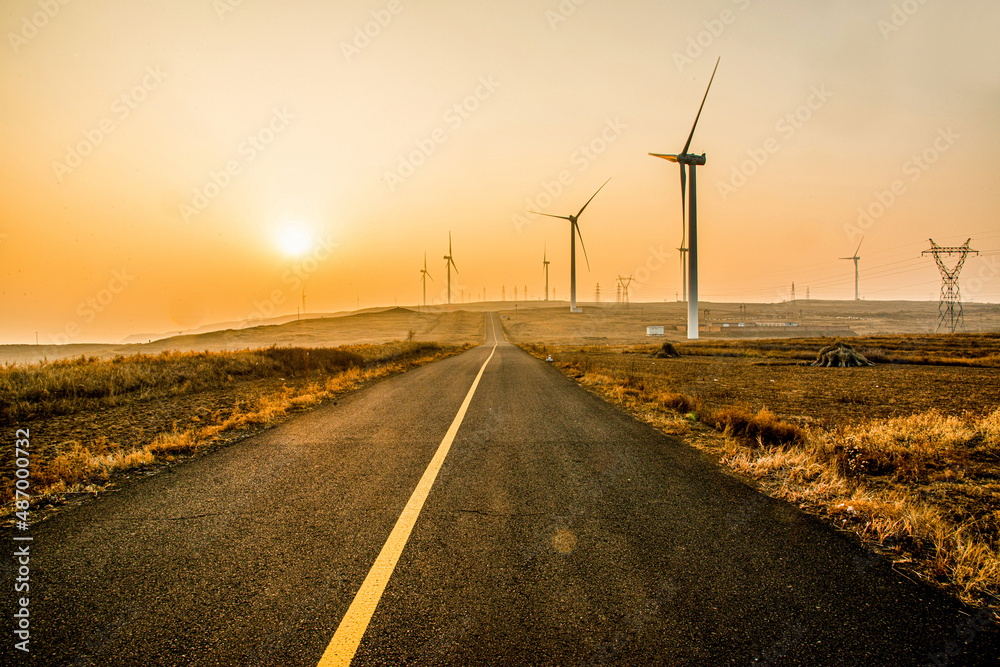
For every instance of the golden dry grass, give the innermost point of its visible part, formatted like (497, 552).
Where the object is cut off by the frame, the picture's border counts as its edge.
(980, 350)
(88, 464)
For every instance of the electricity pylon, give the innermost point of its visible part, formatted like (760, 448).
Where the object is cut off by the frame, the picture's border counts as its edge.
(948, 315)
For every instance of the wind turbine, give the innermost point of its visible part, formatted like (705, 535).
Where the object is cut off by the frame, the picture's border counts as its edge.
(424, 275)
(545, 267)
(684, 158)
(449, 262)
(857, 291)
(574, 229)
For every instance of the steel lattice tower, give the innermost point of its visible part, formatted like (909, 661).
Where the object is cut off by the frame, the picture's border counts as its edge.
(950, 306)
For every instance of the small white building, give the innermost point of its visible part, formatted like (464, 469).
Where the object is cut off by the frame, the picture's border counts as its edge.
(654, 331)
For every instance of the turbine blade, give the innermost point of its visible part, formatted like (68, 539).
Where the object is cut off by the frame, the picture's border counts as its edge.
(449, 243)
(580, 234)
(690, 136)
(561, 217)
(671, 158)
(453, 264)
(591, 199)
(859, 247)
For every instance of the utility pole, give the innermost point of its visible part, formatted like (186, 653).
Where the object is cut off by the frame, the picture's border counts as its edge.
(950, 306)
(597, 293)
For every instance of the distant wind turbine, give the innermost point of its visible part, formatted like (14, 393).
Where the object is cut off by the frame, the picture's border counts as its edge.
(545, 267)
(857, 290)
(424, 275)
(574, 229)
(449, 262)
(684, 158)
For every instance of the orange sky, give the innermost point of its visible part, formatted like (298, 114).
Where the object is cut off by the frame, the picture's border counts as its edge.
(158, 156)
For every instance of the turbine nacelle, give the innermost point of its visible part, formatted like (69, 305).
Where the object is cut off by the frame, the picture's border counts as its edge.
(685, 158)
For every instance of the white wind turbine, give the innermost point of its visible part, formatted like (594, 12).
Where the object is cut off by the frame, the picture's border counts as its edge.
(574, 229)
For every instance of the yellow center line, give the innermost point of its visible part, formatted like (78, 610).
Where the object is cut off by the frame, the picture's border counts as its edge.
(352, 627)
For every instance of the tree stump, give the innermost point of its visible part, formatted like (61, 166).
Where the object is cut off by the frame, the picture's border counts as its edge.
(666, 351)
(840, 355)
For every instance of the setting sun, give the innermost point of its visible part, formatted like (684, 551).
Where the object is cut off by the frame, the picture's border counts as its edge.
(294, 239)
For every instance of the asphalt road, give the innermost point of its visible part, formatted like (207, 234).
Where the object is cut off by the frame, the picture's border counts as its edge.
(559, 531)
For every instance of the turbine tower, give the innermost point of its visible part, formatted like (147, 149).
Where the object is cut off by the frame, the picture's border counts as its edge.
(857, 290)
(574, 229)
(545, 267)
(684, 158)
(424, 275)
(449, 262)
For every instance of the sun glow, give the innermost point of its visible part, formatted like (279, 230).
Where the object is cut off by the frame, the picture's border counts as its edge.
(295, 239)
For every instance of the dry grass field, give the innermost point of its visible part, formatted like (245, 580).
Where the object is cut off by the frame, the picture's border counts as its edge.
(612, 324)
(94, 421)
(905, 454)
(448, 327)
